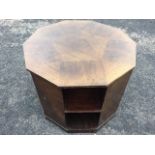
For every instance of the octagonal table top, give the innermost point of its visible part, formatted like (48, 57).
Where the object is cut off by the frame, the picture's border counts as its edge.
(77, 53)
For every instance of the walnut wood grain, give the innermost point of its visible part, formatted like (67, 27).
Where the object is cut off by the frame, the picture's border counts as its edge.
(79, 53)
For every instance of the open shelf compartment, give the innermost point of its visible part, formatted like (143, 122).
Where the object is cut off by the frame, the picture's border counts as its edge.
(83, 99)
(82, 121)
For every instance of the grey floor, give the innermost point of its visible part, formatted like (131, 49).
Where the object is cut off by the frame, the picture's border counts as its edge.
(20, 110)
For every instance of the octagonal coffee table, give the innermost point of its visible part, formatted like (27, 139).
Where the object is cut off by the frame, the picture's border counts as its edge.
(80, 69)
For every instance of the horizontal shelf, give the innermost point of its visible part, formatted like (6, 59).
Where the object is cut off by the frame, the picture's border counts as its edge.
(82, 111)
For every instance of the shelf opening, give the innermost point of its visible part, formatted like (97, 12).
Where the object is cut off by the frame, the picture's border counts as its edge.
(83, 99)
(82, 121)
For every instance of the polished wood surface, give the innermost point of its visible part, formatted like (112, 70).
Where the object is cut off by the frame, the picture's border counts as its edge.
(79, 53)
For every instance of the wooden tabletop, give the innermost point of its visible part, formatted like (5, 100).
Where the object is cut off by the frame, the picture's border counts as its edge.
(77, 53)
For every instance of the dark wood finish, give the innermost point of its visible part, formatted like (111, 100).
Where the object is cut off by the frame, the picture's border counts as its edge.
(80, 70)
(113, 96)
(51, 98)
(80, 122)
(83, 99)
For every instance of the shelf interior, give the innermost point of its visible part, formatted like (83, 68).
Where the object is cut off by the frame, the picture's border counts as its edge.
(77, 121)
(83, 99)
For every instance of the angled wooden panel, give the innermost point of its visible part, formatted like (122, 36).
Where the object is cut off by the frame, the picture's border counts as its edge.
(51, 99)
(113, 96)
